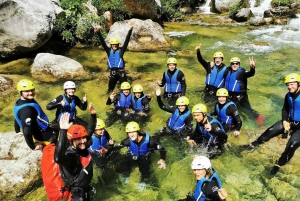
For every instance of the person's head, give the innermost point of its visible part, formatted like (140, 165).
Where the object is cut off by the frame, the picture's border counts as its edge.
(69, 88)
(235, 63)
(201, 166)
(218, 58)
(114, 43)
(199, 112)
(292, 82)
(132, 129)
(125, 87)
(182, 103)
(138, 90)
(172, 63)
(26, 89)
(77, 135)
(99, 129)
(222, 95)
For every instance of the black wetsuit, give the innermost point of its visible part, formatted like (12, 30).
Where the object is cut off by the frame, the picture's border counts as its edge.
(116, 74)
(277, 129)
(172, 97)
(30, 128)
(233, 112)
(125, 166)
(70, 166)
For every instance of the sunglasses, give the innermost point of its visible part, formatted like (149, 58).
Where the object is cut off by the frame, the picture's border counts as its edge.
(235, 63)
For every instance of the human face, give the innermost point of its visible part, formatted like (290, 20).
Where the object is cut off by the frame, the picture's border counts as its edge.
(28, 94)
(222, 99)
(80, 143)
(138, 94)
(70, 92)
(114, 46)
(199, 173)
(99, 132)
(171, 67)
(126, 92)
(218, 60)
(198, 116)
(133, 135)
(235, 65)
(292, 87)
(181, 108)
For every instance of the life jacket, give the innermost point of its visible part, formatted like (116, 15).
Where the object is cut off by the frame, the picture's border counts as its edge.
(69, 108)
(216, 78)
(137, 104)
(176, 121)
(207, 134)
(114, 60)
(172, 84)
(222, 117)
(198, 194)
(231, 83)
(141, 150)
(97, 142)
(294, 106)
(124, 101)
(41, 119)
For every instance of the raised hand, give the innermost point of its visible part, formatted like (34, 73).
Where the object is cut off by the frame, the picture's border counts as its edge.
(112, 95)
(92, 109)
(161, 164)
(158, 91)
(64, 121)
(198, 48)
(251, 62)
(84, 98)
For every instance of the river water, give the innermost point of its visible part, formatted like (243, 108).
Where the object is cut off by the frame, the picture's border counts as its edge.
(244, 175)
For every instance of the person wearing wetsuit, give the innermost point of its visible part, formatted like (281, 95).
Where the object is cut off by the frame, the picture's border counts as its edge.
(288, 125)
(30, 117)
(122, 102)
(236, 79)
(75, 162)
(214, 74)
(209, 131)
(67, 102)
(227, 112)
(140, 146)
(181, 119)
(115, 63)
(173, 81)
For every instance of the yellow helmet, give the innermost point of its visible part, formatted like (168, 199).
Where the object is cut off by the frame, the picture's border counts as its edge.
(222, 92)
(132, 126)
(172, 61)
(182, 101)
(24, 85)
(125, 85)
(292, 77)
(235, 59)
(137, 88)
(114, 40)
(218, 54)
(199, 108)
(100, 124)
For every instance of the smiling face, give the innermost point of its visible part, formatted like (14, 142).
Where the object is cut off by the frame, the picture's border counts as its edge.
(114, 46)
(70, 92)
(28, 94)
(222, 99)
(218, 60)
(99, 132)
(181, 108)
(171, 67)
(235, 65)
(79, 143)
(126, 92)
(199, 173)
(292, 87)
(133, 135)
(138, 94)
(198, 116)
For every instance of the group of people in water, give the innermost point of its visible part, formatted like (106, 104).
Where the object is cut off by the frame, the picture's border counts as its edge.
(78, 144)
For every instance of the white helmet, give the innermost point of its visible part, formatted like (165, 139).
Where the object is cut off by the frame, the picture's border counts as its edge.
(69, 85)
(201, 162)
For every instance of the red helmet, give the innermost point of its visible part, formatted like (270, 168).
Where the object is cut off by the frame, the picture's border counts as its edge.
(76, 131)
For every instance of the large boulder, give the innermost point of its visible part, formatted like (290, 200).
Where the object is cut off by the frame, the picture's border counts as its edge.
(52, 68)
(146, 35)
(220, 6)
(20, 167)
(144, 9)
(25, 25)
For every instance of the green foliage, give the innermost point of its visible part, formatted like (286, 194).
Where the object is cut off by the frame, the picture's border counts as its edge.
(276, 3)
(233, 9)
(171, 10)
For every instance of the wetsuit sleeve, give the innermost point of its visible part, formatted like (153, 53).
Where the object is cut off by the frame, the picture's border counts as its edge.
(28, 114)
(106, 48)
(114, 100)
(92, 125)
(285, 109)
(55, 103)
(217, 132)
(154, 146)
(17, 127)
(146, 105)
(164, 107)
(194, 134)
(189, 124)
(126, 42)
(124, 143)
(82, 105)
(59, 155)
(233, 111)
(205, 64)
(181, 79)
(250, 73)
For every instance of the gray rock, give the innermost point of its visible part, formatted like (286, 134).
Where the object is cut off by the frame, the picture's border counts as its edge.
(223, 5)
(25, 25)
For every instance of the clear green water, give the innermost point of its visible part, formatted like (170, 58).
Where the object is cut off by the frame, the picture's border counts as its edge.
(244, 175)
